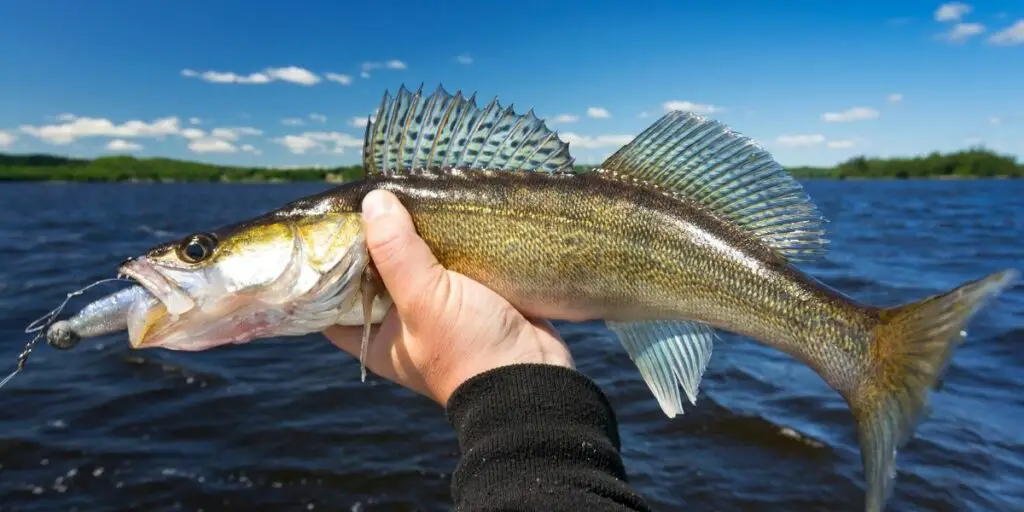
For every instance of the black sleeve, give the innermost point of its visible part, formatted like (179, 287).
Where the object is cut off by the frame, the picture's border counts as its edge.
(537, 437)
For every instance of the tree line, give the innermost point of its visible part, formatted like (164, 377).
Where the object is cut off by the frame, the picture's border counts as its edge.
(970, 163)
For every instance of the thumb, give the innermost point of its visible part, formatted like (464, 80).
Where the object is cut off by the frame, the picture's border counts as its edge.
(409, 270)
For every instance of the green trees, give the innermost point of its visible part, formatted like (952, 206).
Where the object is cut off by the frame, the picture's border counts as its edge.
(971, 163)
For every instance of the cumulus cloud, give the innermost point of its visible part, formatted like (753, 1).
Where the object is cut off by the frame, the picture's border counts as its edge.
(359, 122)
(249, 148)
(852, 114)
(338, 78)
(963, 31)
(563, 119)
(193, 133)
(123, 146)
(7, 139)
(292, 121)
(195, 120)
(293, 74)
(1012, 35)
(598, 113)
(952, 11)
(840, 144)
(333, 142)
(82, 127)
(212, 145)
(320, 118)
(367, 67)
(812, 140)
(596, 141)
(895, 98)
(800, 141)
(235, 132)
(689, 106)
(464, 59)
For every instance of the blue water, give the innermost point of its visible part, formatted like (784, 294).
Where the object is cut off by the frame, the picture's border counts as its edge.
(287, 424)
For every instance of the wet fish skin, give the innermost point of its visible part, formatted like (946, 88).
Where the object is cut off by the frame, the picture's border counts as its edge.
(688, 229)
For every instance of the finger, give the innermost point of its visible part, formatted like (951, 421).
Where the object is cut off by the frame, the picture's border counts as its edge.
(405, 263)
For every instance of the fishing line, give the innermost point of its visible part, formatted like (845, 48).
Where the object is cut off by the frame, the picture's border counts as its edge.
(41, 324)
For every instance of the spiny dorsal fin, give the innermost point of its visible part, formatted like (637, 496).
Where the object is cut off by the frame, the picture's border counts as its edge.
(703, 160)
(441, 130)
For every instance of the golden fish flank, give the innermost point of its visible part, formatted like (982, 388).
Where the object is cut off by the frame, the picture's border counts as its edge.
(689, 228)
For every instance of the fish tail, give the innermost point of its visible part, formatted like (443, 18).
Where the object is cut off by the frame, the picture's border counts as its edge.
(911, 347)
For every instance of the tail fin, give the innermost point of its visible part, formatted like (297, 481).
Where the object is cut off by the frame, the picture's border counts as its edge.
(911, 348)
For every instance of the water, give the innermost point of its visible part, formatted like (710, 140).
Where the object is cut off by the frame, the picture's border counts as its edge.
(286, 424)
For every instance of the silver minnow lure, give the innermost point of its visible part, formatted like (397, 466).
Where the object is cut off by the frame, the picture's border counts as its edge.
(104, 316)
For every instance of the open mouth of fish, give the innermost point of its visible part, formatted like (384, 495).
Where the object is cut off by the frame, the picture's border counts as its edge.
(173, 298)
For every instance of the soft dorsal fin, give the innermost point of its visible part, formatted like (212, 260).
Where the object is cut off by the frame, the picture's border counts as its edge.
(702, 159)
(440, 130)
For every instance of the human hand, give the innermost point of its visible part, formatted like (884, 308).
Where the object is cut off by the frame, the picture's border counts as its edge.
(444, 327)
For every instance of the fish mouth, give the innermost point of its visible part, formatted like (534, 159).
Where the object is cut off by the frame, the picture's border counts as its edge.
(174, 299)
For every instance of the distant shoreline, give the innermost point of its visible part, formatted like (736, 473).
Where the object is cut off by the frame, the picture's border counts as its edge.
(975, 163)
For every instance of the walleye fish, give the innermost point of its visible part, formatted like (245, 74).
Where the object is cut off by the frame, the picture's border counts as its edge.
(688, 229)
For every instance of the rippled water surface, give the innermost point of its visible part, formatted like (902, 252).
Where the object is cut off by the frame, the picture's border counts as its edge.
(287, 425)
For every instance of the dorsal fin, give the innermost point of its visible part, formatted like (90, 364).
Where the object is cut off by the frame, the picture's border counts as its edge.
(703, 160)
(441, 130)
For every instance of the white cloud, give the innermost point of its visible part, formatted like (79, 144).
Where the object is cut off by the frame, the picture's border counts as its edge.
(320, 118)
(249, 148)
(963, 31)
(338, 77)
(812, 140)
(464, 59)
(65, 117)
(293, 74)
(292, 121)
(7, 139)
(1012, 35)
(841, 144)
(853, 114)
(594, 142)
(370, 66)
(800, 141)
(598, 112)
(564, 118)
(123, 146)
(952, 11)
(359, 122)
(689, 106)
(211, 145)
(234, 133)
(334, 142)
(895, 98)
(82, 127)
(193, 133)
(195, 120)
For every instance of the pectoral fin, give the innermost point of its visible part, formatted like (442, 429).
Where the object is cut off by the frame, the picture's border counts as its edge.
(670, 355)
(371, 287)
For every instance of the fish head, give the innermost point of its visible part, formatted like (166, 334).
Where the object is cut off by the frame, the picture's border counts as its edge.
(277, 274)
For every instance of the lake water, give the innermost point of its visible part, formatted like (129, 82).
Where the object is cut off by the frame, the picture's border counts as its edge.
(286, 424)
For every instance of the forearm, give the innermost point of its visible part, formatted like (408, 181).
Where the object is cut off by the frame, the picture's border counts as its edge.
(537, 437)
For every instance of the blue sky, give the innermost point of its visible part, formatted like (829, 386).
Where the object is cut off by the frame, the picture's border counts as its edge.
(281, 83)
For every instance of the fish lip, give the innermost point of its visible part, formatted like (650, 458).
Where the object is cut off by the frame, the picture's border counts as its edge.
(173, 298)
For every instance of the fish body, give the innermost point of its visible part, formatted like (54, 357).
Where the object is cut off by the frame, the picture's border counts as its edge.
(688, 229)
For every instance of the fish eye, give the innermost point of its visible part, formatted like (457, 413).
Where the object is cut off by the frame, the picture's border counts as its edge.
(197, 248)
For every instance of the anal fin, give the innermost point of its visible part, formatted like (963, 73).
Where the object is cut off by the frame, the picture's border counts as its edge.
(669, 355)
